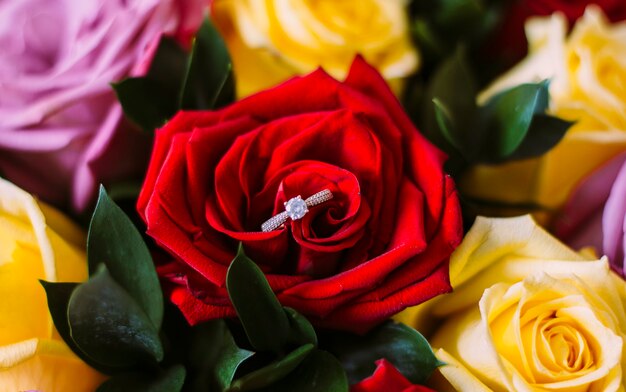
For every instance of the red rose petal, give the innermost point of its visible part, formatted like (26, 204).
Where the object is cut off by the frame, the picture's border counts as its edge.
(387, 378)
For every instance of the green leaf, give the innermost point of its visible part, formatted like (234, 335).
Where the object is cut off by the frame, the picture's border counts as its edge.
(508, 115)
(114, 240)
(446, 124)
(273, 372)
(143, 103)
(209, 81)
(456, 13)
(451, 94)
(319, 371)
(545, 132)
(171, 380)
(151, 100)
(261, 315)
(428, 39)
(229, 357)
(301, 331)
(58, 295)
(108, 325)
(404, 347)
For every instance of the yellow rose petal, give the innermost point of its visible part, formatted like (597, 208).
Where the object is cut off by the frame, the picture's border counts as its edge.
(270, 41)
(46, 365)
(456, 376)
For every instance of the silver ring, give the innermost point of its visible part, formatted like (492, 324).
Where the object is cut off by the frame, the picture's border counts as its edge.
(295, 209)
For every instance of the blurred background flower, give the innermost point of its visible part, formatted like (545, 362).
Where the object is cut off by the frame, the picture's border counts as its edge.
(587, 74)
(595, 215)
(270, 41)
(62, 131)
(509, 39)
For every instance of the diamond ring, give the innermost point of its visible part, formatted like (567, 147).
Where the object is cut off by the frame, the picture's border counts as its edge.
(296, 208)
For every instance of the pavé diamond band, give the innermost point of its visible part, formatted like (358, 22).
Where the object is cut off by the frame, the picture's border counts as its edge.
(295, 209)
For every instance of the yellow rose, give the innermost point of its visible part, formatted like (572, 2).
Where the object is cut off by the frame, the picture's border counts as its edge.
(587, 70)
(527, 314)
(36, 242)
(271, 40)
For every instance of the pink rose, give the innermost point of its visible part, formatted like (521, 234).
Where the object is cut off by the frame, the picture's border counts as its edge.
(595, 215)
(61, 129)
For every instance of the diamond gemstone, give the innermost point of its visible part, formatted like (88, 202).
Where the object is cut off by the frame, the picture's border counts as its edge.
(296, 208)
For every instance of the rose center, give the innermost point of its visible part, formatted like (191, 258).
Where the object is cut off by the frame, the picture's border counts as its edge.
(563, 349)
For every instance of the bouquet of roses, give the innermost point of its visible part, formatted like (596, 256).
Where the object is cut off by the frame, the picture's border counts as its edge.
(313, 195)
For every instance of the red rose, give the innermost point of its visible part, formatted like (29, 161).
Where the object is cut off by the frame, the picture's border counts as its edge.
(381, 244)
(510, 39)
(387, 378)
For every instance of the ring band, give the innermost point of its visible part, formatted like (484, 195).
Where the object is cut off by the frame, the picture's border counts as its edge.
(296, 208)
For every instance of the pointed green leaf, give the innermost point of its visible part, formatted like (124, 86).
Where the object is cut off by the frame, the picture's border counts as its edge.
(300, 331)
(170, 380)
(261, 315)
(226, 91)
(452, 87)
(58, 295)
(229, 357)
(319, 371)
(446, 124)
(114, 240)
(545, 132)
(108, 325)
(142, 102)
(508, 115)
(201, 345)
(149, 101)
(209, 80)
(404, 347)
(273, 372)
(427, 38)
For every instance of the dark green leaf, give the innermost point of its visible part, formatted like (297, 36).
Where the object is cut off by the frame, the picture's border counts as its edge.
(404, 347)
(273, 372)
(213, 356)
(108, 325)
(319, 371)
(226, 92)
(545, 132)
(459, 13)
(453, 87)
(208, 81)
(143, 103)
(508, 115)
(170, 380)
(261, 315)
(446, 125)
(229, 357)
(114, 240)
(151, 100)
(301, 331)
(427, 38)
(58, 300)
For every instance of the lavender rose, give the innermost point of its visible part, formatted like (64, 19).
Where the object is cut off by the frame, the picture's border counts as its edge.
(61, 128)
(595, 215)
